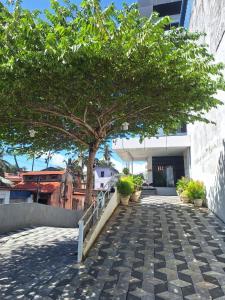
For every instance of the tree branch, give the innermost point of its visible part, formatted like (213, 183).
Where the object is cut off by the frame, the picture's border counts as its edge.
(72, 118)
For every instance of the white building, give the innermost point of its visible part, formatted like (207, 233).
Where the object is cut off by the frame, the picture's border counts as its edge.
(203, 146)
(208, 141)
(5, 186)
(170, 8)
(102, 176)
(167, 158)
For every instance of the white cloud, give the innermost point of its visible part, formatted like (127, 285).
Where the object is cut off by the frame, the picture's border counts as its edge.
(57, 160)
(117, 164)
(137, 167)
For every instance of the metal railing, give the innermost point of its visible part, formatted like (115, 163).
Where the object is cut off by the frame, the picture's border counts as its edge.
(92, 214)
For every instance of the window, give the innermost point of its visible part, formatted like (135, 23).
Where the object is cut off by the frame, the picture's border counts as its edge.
(102, 185)
(2, 200)
(54, 177)
(168, 9)
(102, 173)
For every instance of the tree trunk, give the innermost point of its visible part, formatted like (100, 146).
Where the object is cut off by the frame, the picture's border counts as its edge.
(90, 173)
(32, 168)
(16, 162)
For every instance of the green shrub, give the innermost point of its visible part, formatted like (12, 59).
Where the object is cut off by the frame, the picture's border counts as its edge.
(125, 186)
(126, 171)
(196, 190)
(184, 194)
(182, 184)
(138, 181)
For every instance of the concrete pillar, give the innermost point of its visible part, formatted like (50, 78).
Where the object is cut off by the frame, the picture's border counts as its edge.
(149, 170)
(187, 162)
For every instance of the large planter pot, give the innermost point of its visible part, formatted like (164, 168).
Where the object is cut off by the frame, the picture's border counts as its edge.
(184, 199)
(198, 202)
(135, 197)
(124, 199)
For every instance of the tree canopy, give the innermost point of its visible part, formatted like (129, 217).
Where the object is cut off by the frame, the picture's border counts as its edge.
(76, 74)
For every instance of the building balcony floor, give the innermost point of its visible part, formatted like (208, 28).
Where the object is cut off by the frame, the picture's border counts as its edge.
(156, 249)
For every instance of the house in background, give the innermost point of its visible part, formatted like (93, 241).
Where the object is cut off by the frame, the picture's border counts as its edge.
(5, 187)
(102, 175)
(53, 188)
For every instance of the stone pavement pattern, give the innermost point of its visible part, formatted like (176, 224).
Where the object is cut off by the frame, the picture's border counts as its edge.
(34, 260)
(158, 249)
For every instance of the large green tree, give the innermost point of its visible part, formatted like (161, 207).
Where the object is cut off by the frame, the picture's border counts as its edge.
(76, 74)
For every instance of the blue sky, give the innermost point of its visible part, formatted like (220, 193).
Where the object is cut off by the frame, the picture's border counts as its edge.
(42, 4)
(58, 158)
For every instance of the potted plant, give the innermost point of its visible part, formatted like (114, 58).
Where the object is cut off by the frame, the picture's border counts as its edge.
(126, 171)
(182, 185)
(184, 197)
(138, 181)
(125, 187)
(196, 192)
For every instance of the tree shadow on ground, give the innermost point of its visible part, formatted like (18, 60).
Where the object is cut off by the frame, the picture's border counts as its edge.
(35, 270)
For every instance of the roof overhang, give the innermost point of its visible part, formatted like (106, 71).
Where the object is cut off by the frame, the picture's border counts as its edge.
(133, 150)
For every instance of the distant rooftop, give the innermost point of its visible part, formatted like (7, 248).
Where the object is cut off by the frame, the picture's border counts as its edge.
(39, 173)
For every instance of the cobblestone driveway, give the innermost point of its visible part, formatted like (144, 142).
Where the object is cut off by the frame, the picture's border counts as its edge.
(159, 249)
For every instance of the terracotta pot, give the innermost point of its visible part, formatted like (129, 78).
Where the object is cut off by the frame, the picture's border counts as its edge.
(124, 199)
(135, 197)
(197, 202)
(184, 199)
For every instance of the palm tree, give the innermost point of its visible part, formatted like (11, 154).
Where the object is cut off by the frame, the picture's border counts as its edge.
(14, 152)
(5, 166)
(107, 153)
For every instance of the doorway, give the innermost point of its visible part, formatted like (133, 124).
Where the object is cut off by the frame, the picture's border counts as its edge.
(167, 170)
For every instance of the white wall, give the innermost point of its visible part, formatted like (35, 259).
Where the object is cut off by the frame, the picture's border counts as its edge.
(108, 173)
(21, 215)
(208, 141)
(5, 194)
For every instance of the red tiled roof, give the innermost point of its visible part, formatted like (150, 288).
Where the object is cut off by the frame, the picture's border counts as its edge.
(13, 177)
(44, 173)
(44, 187)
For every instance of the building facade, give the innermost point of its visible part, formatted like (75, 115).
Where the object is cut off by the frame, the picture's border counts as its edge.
(208, 141)
(5, 186)
(170, 8)
(102, 176)
(53, 188)
(167, 158)
(204, 146)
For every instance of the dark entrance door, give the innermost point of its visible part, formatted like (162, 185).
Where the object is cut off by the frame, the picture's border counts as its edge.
(167, 170)
(43, 198)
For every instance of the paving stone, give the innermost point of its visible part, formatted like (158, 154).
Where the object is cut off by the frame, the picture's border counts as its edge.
(156, 249)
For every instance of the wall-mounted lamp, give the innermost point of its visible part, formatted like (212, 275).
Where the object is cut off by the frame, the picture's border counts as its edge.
(32, 133)
(125, 126)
